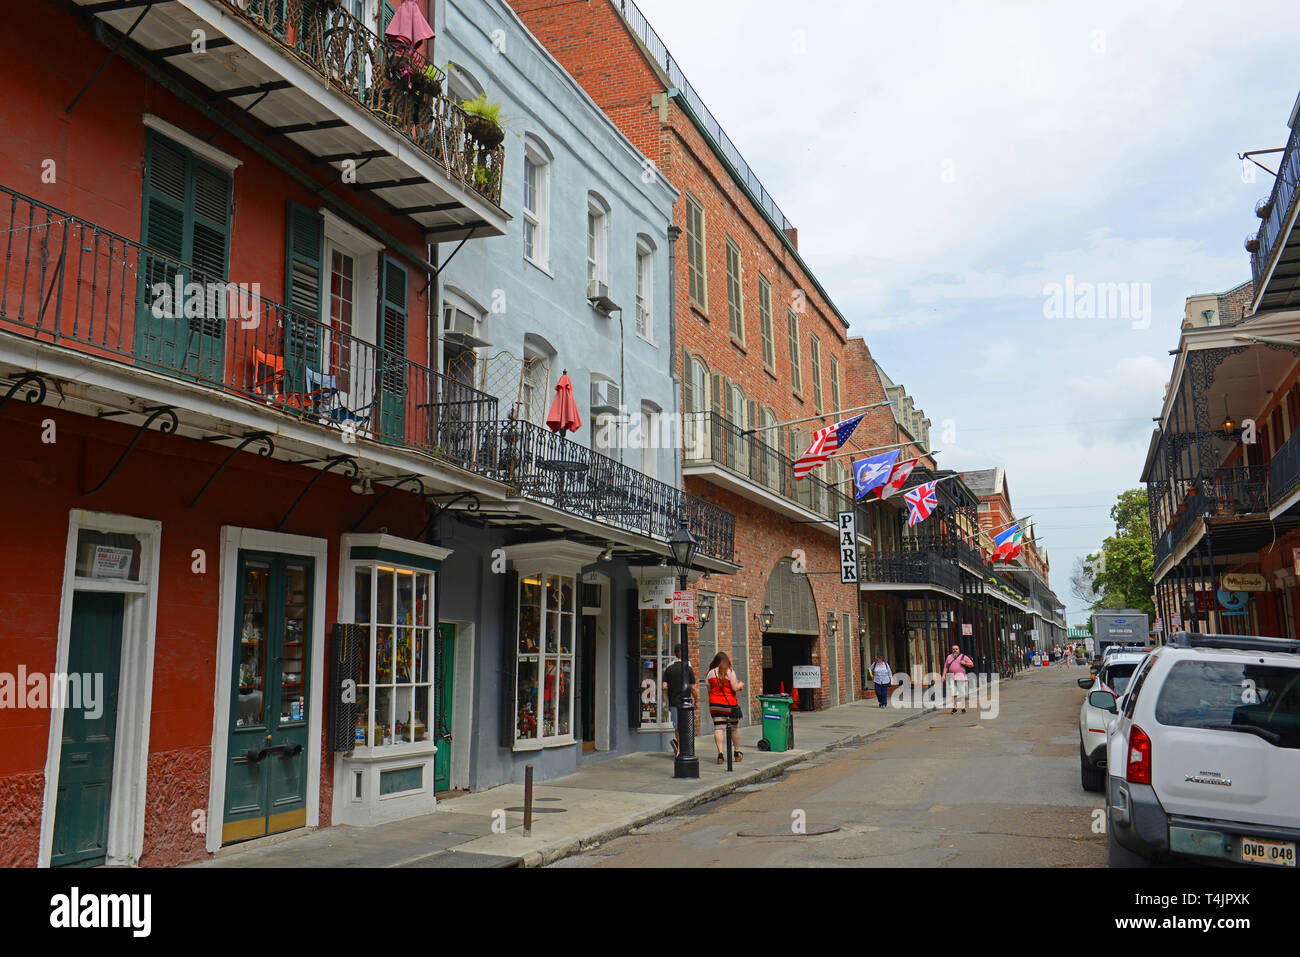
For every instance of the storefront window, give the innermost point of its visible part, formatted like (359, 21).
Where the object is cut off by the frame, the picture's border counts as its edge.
(394, 679)
(547, 631)
(656, 655)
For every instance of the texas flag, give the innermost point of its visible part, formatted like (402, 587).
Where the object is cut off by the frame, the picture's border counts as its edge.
(870, 474)
(897, 478)
(1006, 545)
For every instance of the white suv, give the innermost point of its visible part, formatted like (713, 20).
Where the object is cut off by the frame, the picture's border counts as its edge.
(1113, 675)
(1204, 754)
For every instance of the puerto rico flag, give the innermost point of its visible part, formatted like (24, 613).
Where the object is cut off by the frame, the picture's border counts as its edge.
(825, 443)
(870, 474)
(897, 478)
(923, 501)
(1006, 545)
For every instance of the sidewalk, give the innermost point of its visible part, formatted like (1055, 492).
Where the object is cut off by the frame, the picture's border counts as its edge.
(603, 800)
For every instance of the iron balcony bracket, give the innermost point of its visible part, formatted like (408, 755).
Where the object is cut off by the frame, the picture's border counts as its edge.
(155, 413)
(35, 397)
(100, 69)
(441, 506)
(248, 439)
(353, 471)
(387, 492)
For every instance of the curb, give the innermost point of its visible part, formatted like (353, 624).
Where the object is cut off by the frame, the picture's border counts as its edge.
(546, 856)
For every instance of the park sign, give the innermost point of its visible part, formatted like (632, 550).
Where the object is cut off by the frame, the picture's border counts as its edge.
(848, 548)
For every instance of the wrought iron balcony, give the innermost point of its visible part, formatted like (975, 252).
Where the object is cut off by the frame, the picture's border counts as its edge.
(557, 471)
(402, 87)
(70, 283)
(710, 439)
(1284, 470)
(1278, 211)
(1225, 494)
(910, 566)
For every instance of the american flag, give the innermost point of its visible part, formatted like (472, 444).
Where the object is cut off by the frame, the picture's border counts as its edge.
(923, 501)
(825, 443)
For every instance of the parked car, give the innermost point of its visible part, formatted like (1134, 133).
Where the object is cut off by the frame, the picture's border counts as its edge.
(1203, 754)
(1111, 678)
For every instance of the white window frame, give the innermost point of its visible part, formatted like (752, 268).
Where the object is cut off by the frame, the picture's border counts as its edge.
(650, 421)
(539, 217)
(645, 327)
(597, 240)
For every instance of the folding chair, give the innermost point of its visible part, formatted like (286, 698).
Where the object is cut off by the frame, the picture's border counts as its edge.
(268, 375)
(329, 403)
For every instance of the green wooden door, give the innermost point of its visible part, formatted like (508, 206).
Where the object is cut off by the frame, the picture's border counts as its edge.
(444, 670)
(181, 312)
(86, 755)
(268, 746)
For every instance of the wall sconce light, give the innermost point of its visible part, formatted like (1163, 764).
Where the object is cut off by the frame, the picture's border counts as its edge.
(832, 627)
(705, 611)
(768, 616)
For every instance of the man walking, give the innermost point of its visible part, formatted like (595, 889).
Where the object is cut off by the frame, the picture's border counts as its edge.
(883, 676)
(673, 685)
(956, 665)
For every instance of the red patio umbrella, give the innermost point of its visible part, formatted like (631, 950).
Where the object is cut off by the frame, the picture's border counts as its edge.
(409, 25)
(563, 417)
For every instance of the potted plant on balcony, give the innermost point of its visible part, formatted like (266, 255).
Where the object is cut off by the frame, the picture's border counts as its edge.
(483, 122)
(1252, 244)
(1264, 207)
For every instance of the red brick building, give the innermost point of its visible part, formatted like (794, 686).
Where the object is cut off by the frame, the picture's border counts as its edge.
(759, 342)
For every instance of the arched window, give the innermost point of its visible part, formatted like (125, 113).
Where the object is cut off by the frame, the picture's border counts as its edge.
(461, 84)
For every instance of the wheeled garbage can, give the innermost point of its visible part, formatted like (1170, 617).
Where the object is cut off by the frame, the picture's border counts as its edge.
(778, 723)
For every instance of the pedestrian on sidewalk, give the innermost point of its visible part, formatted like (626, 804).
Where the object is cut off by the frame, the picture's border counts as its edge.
(724, 705)
(676, 689)
(956, 665)
(883, 676)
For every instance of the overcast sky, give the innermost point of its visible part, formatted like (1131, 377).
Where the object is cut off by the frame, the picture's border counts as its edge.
(945, 162)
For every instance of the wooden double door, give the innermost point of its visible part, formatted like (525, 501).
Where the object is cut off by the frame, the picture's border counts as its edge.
(267, 745)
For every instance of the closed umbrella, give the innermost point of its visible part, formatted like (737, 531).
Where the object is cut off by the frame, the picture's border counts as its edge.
(563, 417)
(408, 26)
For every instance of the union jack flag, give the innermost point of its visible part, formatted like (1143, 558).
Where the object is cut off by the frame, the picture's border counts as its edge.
(825, 443)
(923, 501)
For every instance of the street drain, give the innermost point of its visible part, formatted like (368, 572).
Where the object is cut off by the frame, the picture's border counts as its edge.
(810, 830)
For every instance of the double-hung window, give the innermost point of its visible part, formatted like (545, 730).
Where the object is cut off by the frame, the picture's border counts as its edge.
(644, 291)
(835, 383)
(596, 224)
(536, 209)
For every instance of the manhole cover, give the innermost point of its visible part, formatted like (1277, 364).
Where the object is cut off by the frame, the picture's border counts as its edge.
(538, 810)
(539, 800)
(810, 830)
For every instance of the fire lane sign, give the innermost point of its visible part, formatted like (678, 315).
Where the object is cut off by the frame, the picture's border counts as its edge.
(848, 548)
(683, 608)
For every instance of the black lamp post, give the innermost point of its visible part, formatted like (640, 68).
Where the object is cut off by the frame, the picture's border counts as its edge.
(686, 764)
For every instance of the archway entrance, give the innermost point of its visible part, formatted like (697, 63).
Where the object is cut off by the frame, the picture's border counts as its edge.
(793, 634)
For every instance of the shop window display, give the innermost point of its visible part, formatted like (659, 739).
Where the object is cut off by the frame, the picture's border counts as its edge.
(656, 655)
(546, 634)
(394, 680)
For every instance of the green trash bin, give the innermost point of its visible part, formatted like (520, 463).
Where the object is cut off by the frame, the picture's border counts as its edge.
(778, 722)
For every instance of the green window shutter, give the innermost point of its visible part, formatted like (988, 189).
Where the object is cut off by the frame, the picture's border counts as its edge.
(165, 193)
(718, 407)
(304, 253)
(688, 383)
(386, 14)
(392, 331)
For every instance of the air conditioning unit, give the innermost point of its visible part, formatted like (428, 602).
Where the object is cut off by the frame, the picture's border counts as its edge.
(598, 296)
(605, 397)
(462, 328)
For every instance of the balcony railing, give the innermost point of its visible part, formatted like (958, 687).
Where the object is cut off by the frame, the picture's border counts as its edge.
(910, 567)
(1280, 203)
(71, 283)
(709, 439)
(1284, 470)
(1225, 493)
(550, 468)
(393, 84)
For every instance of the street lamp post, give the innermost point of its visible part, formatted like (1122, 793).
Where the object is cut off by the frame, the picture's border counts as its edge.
(686, 764)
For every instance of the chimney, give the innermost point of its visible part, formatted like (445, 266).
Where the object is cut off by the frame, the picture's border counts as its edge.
(792, 234)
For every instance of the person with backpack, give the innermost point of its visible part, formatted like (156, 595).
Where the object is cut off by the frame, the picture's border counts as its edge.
(883, 676)
(956, 665)
(673, 686)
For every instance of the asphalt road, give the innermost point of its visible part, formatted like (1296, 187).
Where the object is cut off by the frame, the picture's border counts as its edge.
(941, 791)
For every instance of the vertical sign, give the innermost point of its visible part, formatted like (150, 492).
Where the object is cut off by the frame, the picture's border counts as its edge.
(684, 608)
(848, 548)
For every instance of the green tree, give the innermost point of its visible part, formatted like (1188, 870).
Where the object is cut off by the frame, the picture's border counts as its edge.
(1120, 574)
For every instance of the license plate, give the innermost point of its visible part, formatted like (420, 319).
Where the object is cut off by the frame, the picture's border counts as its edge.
(1278, 853)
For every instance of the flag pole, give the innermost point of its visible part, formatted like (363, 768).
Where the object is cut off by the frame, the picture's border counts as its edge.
(878, 448)
(813, 418)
